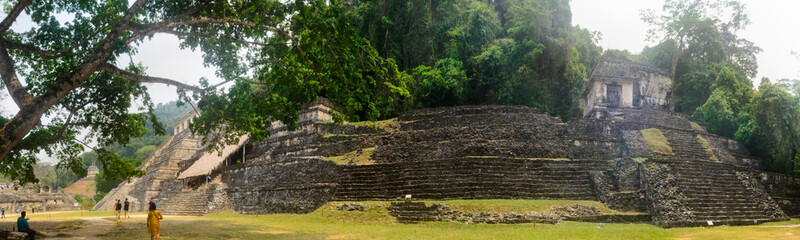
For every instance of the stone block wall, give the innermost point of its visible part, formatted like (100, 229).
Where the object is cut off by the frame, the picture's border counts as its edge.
(295, 185)
(784, 189)
(470, 178)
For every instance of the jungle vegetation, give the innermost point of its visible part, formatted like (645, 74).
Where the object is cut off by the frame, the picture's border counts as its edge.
(372, 59)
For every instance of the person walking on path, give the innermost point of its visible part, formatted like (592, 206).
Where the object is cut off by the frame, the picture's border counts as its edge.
(2, 213)
(117, 207)
(23, 226)
(153, 220)
(126, 207)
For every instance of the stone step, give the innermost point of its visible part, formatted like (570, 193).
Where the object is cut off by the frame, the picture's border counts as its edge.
(711, 213)
(729, 217)
(713, 189)
(462, 191)
(720, 206)
(466, 184)
(718, 195)
(571, 196)
(712, 184)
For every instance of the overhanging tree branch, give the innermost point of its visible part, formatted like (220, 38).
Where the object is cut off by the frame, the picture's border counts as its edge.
(44, 54)
(12, 16)
(148, 79)
(18, 93)
(143, 30)
(184, 34)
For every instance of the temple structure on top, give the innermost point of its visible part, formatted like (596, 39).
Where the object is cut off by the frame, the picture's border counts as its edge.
(618, 82)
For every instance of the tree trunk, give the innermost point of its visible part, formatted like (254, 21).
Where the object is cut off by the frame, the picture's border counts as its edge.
(30, 113)
(674, 63)
(21, 124)
(794, 154)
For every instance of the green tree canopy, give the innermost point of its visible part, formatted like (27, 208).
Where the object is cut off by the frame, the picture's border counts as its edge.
(513, 52)
(704, 31)
(277, 55)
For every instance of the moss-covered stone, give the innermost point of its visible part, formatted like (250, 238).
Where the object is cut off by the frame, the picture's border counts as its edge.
(707, 147)
(657, 141)
(358, 157)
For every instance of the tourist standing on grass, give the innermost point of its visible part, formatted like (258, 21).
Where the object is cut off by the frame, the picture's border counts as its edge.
(153, 219)
(117, 207)
(127, 205)
(22, 226)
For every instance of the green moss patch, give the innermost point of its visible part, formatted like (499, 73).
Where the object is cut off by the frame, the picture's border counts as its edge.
(707, 147)
(358, 157)
(387, 124)
(657, 141)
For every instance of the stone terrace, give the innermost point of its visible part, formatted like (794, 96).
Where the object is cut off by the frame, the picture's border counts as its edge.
(470, 178)
(491, 152)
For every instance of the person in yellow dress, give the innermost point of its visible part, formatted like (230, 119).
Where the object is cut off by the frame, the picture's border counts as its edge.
(153, 219)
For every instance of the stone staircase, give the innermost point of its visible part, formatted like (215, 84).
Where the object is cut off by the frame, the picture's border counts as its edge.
(470, 178)
(717, 194)
(685, 145)
(162, 167)
(712, 190)
(188, 203)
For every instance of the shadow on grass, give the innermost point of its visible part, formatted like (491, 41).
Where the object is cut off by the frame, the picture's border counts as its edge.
(202, 229)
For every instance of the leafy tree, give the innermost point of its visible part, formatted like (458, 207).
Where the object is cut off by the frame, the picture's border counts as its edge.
(442, 85)
(774, 128)
(732, 92)
(516, 52)
(698, 28)
(278, 55)
(145, 151)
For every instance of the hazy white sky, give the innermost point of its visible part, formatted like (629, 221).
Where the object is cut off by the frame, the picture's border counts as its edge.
(774, 29)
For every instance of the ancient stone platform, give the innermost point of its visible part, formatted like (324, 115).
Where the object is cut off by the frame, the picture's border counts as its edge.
(488, 152)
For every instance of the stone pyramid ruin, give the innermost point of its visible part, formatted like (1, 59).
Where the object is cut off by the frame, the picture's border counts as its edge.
(629, 151)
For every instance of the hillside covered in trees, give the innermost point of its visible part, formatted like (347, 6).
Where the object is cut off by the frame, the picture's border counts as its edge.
(510, 52)
(527, 52)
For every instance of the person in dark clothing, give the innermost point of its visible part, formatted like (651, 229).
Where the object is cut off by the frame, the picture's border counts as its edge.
(118, 207)
(22, 226)
(126, 207)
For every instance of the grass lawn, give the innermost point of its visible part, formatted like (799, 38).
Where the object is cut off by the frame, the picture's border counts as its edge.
(374, 223)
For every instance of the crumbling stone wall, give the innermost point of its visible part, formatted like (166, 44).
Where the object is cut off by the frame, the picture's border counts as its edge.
(294, 185)
(784, 189)
(25, 200)
(667, 204)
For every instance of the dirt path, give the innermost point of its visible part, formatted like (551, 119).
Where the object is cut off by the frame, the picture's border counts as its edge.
(91, 230)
